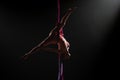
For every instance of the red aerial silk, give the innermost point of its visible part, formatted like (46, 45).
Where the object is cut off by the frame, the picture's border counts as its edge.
(60, 62)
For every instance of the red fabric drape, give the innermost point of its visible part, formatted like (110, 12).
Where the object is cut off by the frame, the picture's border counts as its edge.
(60, 63)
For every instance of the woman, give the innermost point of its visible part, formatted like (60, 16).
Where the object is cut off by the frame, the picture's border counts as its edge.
(56, 37)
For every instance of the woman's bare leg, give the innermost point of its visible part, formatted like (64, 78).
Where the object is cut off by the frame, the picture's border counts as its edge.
(42, 47)
(66, 16)
(64, 19)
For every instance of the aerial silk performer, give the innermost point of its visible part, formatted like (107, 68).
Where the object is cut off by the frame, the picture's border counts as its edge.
(56, 37)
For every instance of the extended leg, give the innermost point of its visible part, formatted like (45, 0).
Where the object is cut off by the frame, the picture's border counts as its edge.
(66, 16)
(64, 19)
(42, 47)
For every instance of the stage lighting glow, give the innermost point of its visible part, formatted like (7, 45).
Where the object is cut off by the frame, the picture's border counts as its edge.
(96, 18)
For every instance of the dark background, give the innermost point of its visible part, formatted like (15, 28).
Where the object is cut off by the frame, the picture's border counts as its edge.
(92, 30)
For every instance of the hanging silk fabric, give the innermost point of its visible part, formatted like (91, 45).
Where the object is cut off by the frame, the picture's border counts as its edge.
(60, 62)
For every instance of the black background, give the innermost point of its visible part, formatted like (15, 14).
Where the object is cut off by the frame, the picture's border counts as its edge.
(24, 24)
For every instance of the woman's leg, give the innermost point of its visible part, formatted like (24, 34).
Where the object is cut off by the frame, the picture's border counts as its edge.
(66, 16)
(42, 47)
(64, 19)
